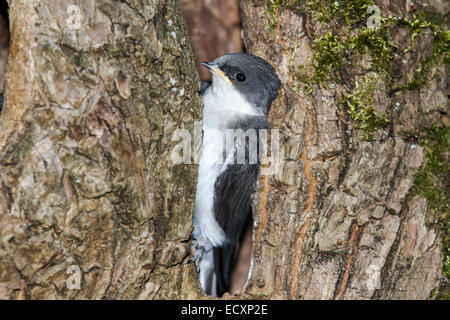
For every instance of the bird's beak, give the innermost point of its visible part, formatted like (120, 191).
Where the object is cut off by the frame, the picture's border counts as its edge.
(209, 65)
(215, 69)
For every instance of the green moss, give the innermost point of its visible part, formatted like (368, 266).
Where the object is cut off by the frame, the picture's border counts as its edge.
(273, 7)
(323, 11)
(348, 12)
(331, 58)
(338, 54)
(416, 26)
(444, 292)
(328, 50)
(377, 42)
(303, 78)
(345, 12)
(359, 103)
(447, 266)
(356, 10)
(440, 48)
(432, 179)
(332, 51)
(331, 55)
(433, 184)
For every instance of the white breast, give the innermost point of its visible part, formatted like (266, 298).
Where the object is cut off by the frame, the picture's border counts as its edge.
(222, 105)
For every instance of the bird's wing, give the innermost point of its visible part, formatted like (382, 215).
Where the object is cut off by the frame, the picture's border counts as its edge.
(232, 207)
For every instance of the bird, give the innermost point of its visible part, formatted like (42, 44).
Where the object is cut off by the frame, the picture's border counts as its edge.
(239, 97)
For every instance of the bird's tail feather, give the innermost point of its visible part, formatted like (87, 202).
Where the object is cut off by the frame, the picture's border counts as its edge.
(223, 263)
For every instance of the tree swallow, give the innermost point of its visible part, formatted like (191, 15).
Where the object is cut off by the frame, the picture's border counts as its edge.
(238, 100)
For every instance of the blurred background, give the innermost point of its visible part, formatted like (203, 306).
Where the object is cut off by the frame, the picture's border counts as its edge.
(214, 28)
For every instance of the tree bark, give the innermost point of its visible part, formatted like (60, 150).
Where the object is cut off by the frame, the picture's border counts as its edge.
(91, 205)
(338, 219)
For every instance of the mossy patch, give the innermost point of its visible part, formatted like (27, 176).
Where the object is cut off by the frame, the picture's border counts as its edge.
(432, 179)
(345, 12)
(360, 106)
(432, 182)
(272, 9)
(339, 53)
(333, 53)
(347, 44)
(447, 266)
(377, 42)
(323, 11)
(354, 11)
(440, 51)
(328, 50)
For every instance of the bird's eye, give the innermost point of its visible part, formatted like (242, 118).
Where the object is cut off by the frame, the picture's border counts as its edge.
(241, 77)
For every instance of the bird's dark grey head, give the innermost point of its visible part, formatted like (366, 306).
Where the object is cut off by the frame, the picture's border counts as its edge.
(252, 76)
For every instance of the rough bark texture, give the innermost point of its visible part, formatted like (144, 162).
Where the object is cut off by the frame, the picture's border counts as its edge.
(91, 206)
(338, 219)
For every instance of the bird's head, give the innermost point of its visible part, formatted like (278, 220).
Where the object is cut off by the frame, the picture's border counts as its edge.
(251, 76)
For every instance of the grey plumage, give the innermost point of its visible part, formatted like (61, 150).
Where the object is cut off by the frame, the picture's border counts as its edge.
(262, 83)
(239, 97)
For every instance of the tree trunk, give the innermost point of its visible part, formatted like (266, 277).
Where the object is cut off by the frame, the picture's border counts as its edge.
(339, 219)
(91, 205)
